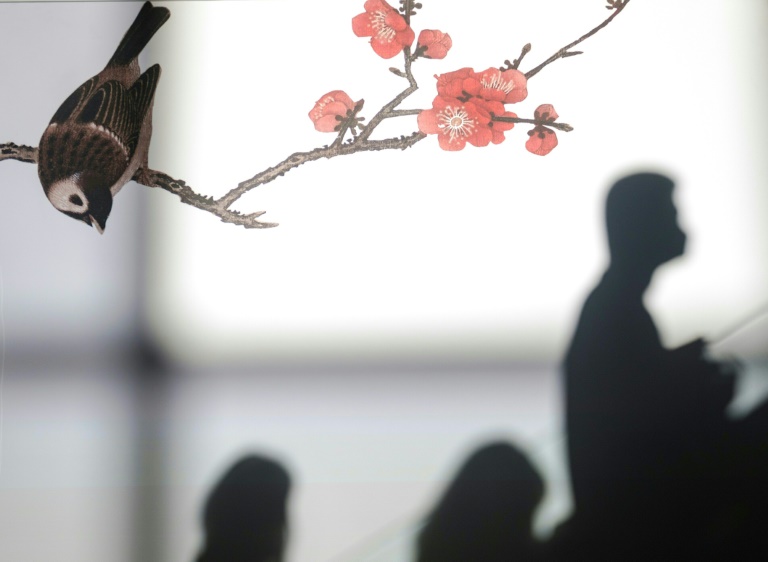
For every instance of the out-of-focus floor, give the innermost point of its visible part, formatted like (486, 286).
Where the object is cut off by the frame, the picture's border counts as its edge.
(369, 450)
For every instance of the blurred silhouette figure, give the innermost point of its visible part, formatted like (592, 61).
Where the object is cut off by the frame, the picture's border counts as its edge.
(245, 516)
(654, 462)
(486, 513)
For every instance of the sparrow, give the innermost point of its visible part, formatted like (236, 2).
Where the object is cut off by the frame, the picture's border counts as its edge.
(98, 139)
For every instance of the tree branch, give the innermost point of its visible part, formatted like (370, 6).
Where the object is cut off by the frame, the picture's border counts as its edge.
(297, 159)
(617, 7)
(220, 207)
(560, 126)
(403, 113)
(387, 110)
(154, 178)
(11, 151)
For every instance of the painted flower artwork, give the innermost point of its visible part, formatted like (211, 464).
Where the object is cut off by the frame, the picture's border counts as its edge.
(433, 44)
(542, 139)
(457, 122)
(330, 110)
(472, 107)
(388, 30)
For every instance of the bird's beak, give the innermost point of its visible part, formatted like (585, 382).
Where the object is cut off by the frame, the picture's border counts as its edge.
(95, 224)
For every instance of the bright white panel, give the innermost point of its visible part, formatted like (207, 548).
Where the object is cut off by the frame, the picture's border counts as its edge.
(486, 253)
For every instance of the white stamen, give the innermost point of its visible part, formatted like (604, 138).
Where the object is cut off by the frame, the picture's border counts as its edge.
(456, 121)
(497, 83)
(379, 24)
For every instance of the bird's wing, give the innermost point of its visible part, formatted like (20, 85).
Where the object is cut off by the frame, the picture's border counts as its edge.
(75, 101)
(122, 111)
(142, 94)
(112, 107)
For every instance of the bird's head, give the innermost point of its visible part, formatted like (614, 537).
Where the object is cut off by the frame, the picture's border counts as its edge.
(83, 196)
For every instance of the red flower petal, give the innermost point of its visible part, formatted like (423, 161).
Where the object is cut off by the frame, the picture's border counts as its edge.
(482, 137)
(436, 43)
(509, 86)
(388, 30)
(454, 122)
(332, 104)
(546, 112)
(361, 25)
(541, 141)
(326, 124)
(395, 21)
(386, 49)
(427, 121)
(452, 144)
(458, 83)
(377, 6)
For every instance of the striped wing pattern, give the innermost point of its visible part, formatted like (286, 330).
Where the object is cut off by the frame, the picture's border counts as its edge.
(97, 129)
(120, 110)
(74, 103)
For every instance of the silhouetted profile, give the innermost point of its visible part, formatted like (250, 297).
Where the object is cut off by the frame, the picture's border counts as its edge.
(486, 512)
(652, 459)
(245, 516)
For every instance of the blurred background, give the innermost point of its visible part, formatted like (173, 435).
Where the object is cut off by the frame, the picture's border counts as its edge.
(410, 306)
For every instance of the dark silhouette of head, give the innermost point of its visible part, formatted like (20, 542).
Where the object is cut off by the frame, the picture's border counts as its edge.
(641, 221)
(487, 511)
(245, 517)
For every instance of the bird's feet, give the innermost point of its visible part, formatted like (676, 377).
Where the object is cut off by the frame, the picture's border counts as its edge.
(145, 176)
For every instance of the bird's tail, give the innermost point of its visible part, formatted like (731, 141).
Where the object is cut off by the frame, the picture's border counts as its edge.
(146, 24)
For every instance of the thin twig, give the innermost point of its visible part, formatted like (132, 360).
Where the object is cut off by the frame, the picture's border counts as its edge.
(516, 63)
(385, 111)
(360, 144)
(562, 53)
(560, 126)
(403, 113)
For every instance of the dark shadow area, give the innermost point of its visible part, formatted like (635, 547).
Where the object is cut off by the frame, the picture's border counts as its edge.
(658, 471)
(245, 517)
(487, 511)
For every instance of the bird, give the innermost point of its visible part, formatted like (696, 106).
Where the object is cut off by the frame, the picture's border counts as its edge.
(98, 139)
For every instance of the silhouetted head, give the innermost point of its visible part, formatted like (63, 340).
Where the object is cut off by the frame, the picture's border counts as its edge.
(641, 220)
(245, 516)
(487, 511)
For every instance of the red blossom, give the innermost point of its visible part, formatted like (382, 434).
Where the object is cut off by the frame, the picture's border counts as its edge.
(546, 112)
(459, 83)
(329, 108)
(507, 86)
(497, 128)
(541, 140)
(457, 122)
(388, 30)
(436, 44)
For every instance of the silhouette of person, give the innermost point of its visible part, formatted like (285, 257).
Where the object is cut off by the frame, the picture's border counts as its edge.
(643, 422)
(245, 516)
(486, 513)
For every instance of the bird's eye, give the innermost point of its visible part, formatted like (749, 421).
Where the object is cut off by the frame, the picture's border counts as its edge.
(75, 200)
